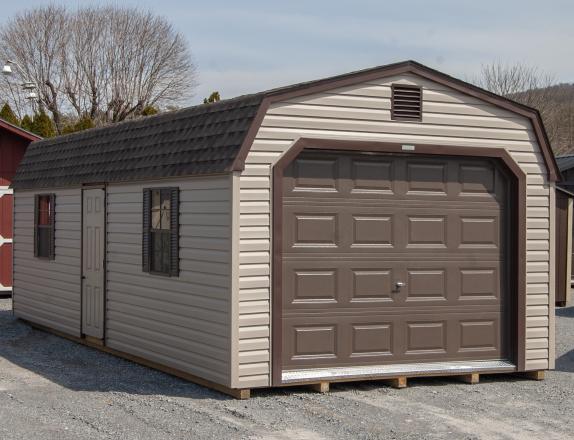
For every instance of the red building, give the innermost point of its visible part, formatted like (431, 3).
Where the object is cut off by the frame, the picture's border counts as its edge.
(13, 143)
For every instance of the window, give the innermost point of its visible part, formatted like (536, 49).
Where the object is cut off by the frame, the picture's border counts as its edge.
(406, 102)
(44, 230)
(160, 253)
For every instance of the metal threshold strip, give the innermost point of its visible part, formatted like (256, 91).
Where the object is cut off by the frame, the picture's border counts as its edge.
(415, 369)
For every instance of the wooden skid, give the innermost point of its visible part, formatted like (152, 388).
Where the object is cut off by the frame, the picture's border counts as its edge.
(398, 382)
(472, 378)
(321, 387)
(237, 393)
(534, 375)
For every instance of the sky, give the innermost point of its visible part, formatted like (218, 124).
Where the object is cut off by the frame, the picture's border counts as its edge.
(246, 46)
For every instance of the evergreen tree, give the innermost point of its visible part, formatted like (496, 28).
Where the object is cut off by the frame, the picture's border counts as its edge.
(81, 124)
(42, 125)
(214, 97)
(27, 123)
(8, 115)
(150, 110)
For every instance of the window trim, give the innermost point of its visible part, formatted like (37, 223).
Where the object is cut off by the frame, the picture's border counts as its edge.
(173, 270)
(51, 226)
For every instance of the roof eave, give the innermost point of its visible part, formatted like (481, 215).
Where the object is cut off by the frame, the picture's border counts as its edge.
(19, 131)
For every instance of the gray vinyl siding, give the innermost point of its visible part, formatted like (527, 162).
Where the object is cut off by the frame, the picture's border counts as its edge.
(181, 322)
(47, 292)
(362, 112)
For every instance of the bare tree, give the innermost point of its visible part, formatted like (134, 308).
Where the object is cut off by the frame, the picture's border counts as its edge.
(104, 63)
(527, 84)
(36, 40)
(534, 88)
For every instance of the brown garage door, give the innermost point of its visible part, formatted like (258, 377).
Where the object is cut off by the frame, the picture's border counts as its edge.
(393, 259)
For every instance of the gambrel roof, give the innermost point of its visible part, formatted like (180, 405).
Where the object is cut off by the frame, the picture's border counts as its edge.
(208, 138)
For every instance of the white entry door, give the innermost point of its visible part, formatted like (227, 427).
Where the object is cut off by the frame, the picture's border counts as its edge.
(93, 245)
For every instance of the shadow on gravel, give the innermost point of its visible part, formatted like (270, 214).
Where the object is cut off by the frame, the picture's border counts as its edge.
(566, 312)
(82, 368)
(565, 362)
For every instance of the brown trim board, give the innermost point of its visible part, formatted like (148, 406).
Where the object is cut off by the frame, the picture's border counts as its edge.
(391, 70)
(518, 250)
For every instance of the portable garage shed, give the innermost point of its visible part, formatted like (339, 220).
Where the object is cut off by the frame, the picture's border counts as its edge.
(390, 222)
(564, 229)
(13, 142)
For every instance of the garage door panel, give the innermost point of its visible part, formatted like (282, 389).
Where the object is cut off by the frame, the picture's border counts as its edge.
(426, 285)
(393, 259)
(314, 341)
(479, 283)
(476, 178)
(479, 231)
(311, 283)
(355, 283)
(371, 339)
(427, 176)
(346, 340)
(315, 285)
(395, 177)
(479, 335)
(372, 229)
(371, 284)
(312, 227)
(374, 176)
(379, 339)
(320, 174)
(426, 336)
(427, 231)
(315, 230)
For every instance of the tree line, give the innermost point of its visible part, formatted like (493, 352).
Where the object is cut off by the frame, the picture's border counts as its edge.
(535, 88)
(98, 65)
(93, 65)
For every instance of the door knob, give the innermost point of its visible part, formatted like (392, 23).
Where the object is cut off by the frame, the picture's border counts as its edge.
(400, 284)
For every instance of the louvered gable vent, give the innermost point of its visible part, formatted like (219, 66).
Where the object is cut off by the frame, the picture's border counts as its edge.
(406, 103)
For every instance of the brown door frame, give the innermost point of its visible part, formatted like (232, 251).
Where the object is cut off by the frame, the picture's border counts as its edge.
(517, 212)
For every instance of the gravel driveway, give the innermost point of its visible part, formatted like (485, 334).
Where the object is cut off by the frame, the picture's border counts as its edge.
(51, 388)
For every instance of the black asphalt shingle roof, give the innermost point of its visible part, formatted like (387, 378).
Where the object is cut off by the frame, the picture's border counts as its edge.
(205, 139)
(198, 140)
(565, 162)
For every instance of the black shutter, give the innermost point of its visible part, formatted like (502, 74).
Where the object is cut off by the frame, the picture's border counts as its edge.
(174, 233)
(36, 203)
(52, 252)
(146, 225)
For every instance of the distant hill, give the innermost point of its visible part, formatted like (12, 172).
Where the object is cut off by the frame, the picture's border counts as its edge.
(556, 105)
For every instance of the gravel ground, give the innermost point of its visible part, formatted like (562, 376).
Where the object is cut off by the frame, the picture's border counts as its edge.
(51, 388)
